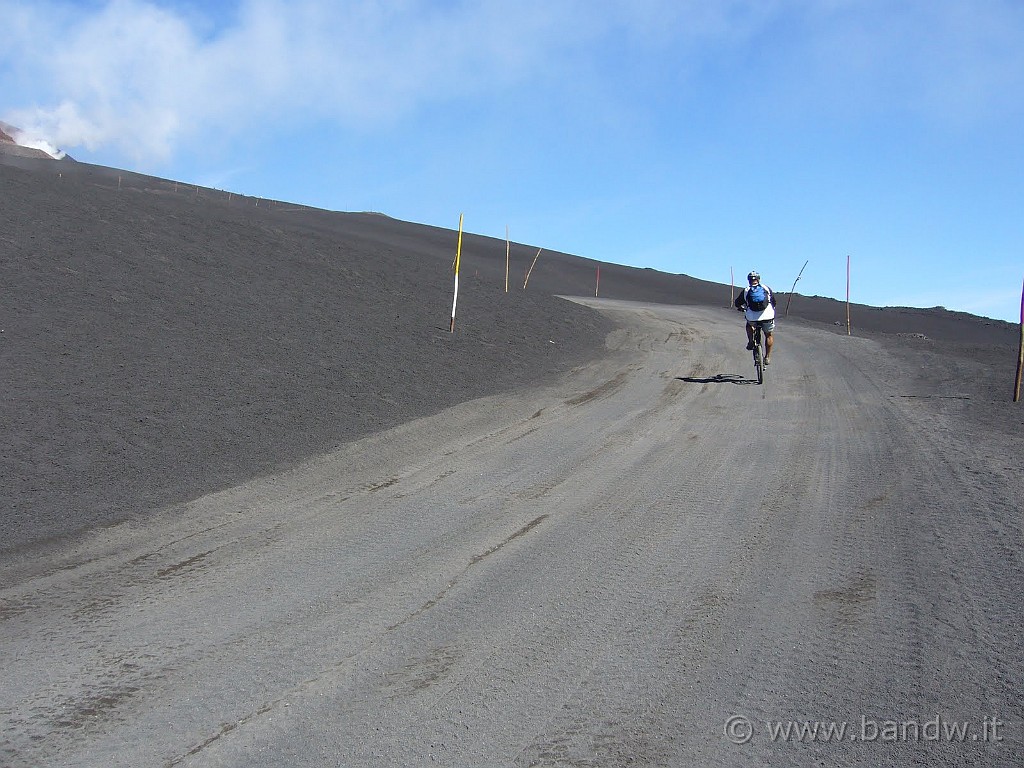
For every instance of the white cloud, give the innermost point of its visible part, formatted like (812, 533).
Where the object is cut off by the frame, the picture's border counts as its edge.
(146, 77)
(26, 140)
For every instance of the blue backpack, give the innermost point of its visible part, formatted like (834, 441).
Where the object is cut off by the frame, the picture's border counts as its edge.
(757, 298)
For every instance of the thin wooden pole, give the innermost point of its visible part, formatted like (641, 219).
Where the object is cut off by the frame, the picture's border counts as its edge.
(790, 297)
(531, 268)
(732, 287)
(597, 286)
(508, 246)
(1020, 355)
(847, 294)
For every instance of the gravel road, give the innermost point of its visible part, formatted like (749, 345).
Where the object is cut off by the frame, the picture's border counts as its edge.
(603, 572)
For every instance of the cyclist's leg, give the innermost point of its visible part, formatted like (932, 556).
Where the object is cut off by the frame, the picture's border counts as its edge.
(750, 336)
(769, 339)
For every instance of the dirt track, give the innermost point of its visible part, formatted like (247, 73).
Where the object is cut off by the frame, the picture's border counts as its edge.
(599, 573)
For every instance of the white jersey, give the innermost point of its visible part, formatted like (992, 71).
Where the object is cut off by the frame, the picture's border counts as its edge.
(768, 313)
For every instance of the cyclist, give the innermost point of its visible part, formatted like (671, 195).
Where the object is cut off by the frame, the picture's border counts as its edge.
(757, 302)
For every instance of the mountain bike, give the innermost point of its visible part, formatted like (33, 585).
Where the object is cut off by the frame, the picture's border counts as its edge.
(758, 357)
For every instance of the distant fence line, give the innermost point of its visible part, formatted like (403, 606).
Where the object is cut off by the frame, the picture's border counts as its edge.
(165, 186)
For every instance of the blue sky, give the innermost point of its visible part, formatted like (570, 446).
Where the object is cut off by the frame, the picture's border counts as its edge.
(689, 136)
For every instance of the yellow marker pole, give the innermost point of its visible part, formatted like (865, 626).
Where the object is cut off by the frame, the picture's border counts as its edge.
(458, 258)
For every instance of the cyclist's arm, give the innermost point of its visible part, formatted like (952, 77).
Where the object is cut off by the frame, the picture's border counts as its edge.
(741, 300)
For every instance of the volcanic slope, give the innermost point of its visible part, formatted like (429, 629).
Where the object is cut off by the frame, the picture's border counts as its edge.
(161, 340)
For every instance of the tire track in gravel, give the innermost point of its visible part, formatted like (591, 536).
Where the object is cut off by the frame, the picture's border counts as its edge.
(597, 573)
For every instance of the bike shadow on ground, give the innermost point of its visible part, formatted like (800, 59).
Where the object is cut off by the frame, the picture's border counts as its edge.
(718, 378)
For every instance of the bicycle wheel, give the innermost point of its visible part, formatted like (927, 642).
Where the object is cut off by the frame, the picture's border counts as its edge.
(758, 359)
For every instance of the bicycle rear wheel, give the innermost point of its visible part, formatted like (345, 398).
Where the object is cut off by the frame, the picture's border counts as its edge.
(758, 357)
